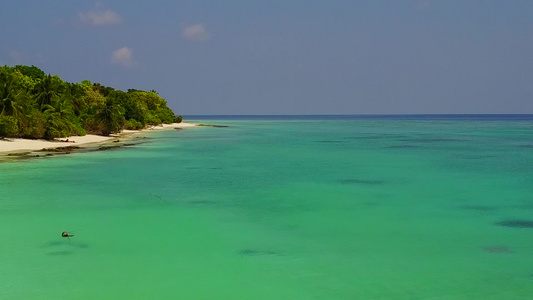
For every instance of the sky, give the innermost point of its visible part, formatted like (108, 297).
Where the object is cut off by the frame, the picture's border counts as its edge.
(235, 57)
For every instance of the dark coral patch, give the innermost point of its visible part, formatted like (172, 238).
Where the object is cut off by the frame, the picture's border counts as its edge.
(19, 154)
(472, 156)
(60, 253)
(516, 224)
(212, 125)
(362, 181)
(498, 249)
(66, 149)
(254, 252)
(202, 202)
(376, 137)
(402, 147)
(526, 146)
(105, 148)
(431, 140)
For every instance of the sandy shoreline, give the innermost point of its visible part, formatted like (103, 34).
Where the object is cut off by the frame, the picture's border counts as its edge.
(14, 146)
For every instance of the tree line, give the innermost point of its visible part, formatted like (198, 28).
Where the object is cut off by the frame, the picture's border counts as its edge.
(34, 105)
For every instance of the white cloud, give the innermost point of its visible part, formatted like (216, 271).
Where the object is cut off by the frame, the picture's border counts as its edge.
(195, 33)
(99, 16)
(123, 56)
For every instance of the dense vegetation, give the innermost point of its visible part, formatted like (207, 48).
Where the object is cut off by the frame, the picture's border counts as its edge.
(35, 105)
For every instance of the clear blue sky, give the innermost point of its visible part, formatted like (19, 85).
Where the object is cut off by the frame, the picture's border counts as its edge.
(286, 56)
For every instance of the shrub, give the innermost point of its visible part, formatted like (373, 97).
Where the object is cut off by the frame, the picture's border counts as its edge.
(35, 127)
(78, 129)
(133, 124)
(56, 127)
(8, 126)
(152, 120)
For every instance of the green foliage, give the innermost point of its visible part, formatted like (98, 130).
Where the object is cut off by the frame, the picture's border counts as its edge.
(111, 117)
(152, 119)
(57, 127)
(33, 71)
(178, 119)
(47, 90)
(133, 124)
(8, 126)
(165, 114)
(36, 105)
(132, 109)
(34, 127)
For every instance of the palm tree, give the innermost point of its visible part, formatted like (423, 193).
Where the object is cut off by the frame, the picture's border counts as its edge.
(13, 102)
(111, 115)
(47, 90)
(61, 107)
(59, 117)
(6, 92)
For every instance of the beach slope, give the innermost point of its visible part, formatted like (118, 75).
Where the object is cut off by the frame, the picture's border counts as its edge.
(8, 146)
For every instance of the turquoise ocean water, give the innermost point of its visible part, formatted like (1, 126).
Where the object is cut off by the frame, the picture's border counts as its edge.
(279, 208)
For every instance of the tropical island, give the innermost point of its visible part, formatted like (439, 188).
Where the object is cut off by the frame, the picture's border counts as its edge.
(34, 105)
(38, 111)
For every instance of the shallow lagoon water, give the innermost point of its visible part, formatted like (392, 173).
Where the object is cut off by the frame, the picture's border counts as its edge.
(278, 209)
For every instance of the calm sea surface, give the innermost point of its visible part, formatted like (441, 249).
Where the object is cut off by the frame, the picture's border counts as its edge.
(329, 208)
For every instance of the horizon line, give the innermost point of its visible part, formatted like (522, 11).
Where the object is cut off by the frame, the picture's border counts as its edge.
(377, 114)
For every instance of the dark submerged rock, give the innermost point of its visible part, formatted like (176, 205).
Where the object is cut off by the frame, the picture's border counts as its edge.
(61, 149)
(211, 125)
(105, 148)
(19, 154)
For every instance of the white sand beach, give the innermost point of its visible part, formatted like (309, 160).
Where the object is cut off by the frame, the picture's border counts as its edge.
(22, 145)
